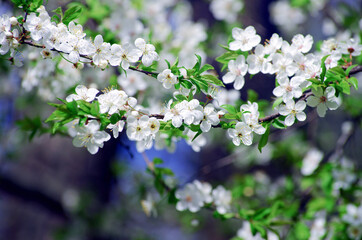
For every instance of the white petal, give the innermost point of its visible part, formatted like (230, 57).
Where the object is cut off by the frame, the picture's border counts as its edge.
(313, 101)
(228, 78)
(98, 41)
(239, 82)
(236, 45)
(301, 116)
(321, 110)
(205, 126)
(289, 120)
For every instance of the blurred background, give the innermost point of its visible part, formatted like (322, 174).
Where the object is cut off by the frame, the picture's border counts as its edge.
(52, 190)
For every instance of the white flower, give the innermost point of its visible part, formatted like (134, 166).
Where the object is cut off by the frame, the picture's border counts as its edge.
(83, 93)
(246, 234)
(167, 78)
(76, 47)
(332, 60)
(253, 123)
(197, 143)
(301, 43)
(226, 9)
(174, 113)
(210, 118)
(343, 178)
(353, 215)
(355, 232)
(351, 47)
(237, 71)
(76, 30)
(189, 198)
(318, 229)
(289, 89)
(257, 61)
(284, 64)
(132, 83)
(274, 44)
(138, 130)
(286, 16)
(124, 55)
(37, 26)
(55, 36)
(241, 133)
(148, 52)
(252, 108)
(153, 125)
(293, 110)
(222, 199)
(226, 97)
(116, 128)
(90, 136)
(149, 206)
(205, 189)
(192, 113)
(245, 40)
(46, 53)
(102, 51)
(311, 161)
(112, 101)
(323, 101)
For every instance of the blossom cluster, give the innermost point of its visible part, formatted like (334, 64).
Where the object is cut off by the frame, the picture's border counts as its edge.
(141, 127)
(353, 217)
(72, 40)
(243, 132)
(293, 66)
(193, 196)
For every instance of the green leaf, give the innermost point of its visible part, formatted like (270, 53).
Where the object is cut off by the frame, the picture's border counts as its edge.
(353, 81)
(198, 63)
(344, 86)
(264, 138)
(197, 134)
(301, 231)
(180, 97)
(94, 108)
(72, 107)
(212, 79)
(299, 3)
(157, 161)
(277, 102)
(72, 13)
(113, 81)
(205, 68)
(230, 108)
(55, 19)
(252, 95)
(257, 227)
(350, 68)
(58, 11)
(35, 5)
(277, 124)
(115, 118)
(171, 197)
(324, 69)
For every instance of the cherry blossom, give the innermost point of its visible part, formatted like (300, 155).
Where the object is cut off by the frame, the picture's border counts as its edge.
(90, 137)
(245, 39)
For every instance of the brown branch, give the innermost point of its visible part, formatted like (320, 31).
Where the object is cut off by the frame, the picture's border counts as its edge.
(25, 193)
(89, 58)
(355, 70)
(276, 115)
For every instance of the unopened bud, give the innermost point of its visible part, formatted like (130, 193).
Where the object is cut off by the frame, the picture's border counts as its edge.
(13, 21)
(79, 65)
(103, 64)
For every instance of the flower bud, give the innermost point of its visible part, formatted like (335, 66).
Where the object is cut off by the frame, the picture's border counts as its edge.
(13, 21)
